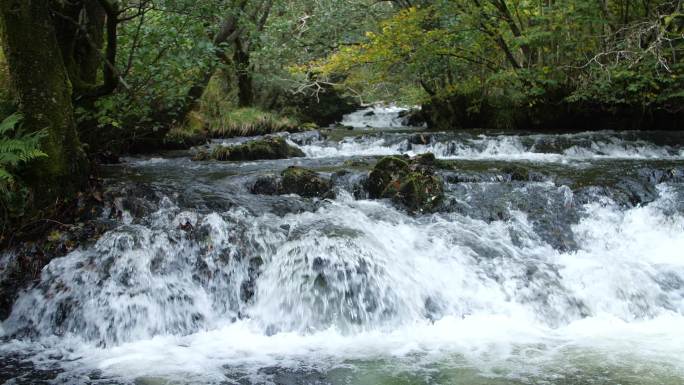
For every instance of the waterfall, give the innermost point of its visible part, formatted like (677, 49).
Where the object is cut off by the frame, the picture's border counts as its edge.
(376, 116)
(513, 280)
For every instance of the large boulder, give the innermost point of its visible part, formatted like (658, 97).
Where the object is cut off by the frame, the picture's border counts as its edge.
(305, 183)
(266, 185)
(411, 183)
(412, 117)
(294, 180)
(267, 148)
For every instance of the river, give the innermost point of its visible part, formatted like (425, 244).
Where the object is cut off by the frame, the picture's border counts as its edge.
(570, 271)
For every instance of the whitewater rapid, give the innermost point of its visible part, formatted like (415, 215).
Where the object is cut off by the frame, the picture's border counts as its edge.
(573, 278)
(376, 116)
(576, 147)
(620, 292)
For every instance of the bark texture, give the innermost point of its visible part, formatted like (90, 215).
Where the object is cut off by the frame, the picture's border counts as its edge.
(41, 83)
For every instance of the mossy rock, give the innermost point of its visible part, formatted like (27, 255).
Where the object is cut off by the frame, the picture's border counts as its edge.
(517, 173)
(420, 138)
(268, 148)
(266, 185)
(409, 182)
(305, 183)
(202, 154)
(420, 192)
(388, 169)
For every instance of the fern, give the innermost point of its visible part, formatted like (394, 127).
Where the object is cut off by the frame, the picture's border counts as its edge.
(16, 147)
(9, 123)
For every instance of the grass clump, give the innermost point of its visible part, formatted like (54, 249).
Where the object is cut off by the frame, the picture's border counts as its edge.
(217, 116)
(248, 121)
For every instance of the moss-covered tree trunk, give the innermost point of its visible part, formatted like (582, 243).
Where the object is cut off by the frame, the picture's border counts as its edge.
(244, 75)
(43, 90)
(80, 43)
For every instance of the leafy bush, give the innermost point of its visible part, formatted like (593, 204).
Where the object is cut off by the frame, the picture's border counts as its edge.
(16, 148)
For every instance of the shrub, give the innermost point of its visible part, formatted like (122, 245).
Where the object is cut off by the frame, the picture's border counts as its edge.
(16, 149)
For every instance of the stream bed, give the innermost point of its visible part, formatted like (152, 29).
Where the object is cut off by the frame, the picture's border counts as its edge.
(554, 258)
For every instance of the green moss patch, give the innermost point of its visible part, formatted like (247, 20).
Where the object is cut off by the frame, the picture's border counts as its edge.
(408, 182)
(267, 148)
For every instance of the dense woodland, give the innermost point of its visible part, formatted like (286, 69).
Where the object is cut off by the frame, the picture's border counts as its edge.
(84, 80)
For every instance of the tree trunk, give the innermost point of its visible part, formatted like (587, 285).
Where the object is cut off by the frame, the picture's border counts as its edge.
(244, 75)
(43, 90)
(80, 44)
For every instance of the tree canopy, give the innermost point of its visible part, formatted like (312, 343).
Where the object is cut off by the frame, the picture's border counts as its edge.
(127, 75)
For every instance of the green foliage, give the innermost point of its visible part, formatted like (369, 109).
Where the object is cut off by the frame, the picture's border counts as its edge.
(4, 78)
(520, 54)
(249, 121)
(16, 149)
(637, 86)
(161, 56)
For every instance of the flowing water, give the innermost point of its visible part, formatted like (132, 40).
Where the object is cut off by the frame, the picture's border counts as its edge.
(571, 272)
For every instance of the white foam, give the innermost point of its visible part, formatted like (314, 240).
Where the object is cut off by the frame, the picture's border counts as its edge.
(375, 116)
(494, 303)
(499, 147)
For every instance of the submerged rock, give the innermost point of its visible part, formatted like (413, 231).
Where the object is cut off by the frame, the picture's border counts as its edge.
(266, 185)
(517, 173)
(306, 183)
(412, 118)
(421, 139)
(409, 182)
(267, 148)
(248, 287)
(294, 180)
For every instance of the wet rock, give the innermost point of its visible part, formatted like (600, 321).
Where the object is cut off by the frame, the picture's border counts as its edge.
(294, 180)
(412, 118)
(517, 173)
(137, 199)
(421, 139)
(409, 182)
(266, 185)
(267, 148)
(23, 264)
(248, 287)
(288, 376)
(307, 137)
(305, 183)
(19, 369)
(107, 157)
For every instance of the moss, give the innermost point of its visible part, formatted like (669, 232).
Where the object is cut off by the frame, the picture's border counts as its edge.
(409, 182)
(5, 87)
(44, 93)
(179, 138)
(294, 180)
(227, 121)
(420, 192)
(202, 154)
(268, 148)
(388, 169)
(309, 126)
(305, 183)
(517, 173)
(266, 185)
